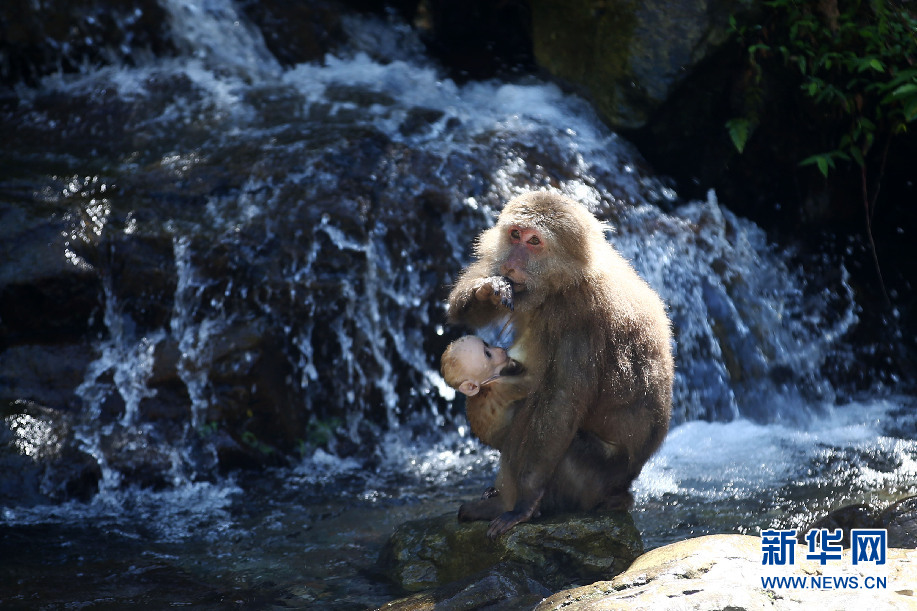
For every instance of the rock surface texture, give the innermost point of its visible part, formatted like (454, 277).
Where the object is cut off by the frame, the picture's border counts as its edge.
(628, 56)
(557, 552)
(726, 571)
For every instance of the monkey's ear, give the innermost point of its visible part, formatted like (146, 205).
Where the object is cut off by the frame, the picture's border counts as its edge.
(469, 388)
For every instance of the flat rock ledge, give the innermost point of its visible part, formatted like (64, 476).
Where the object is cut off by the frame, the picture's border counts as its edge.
(726, 572)
(556, 552)
(712, 572)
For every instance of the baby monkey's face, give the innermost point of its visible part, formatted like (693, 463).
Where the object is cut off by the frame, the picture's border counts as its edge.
(483, 363)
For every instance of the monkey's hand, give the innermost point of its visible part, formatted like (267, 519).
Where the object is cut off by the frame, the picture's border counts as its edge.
(523, 512)
(496, 289)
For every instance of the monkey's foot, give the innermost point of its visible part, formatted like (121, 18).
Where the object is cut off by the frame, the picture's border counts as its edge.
(504, 522)
(524, 511)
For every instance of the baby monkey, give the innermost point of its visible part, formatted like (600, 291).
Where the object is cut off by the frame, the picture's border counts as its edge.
(492, 383)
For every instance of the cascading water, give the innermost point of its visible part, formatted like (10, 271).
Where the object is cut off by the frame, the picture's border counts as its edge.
(303, 223)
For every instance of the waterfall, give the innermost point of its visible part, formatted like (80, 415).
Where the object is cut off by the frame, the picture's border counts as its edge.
(305, 224)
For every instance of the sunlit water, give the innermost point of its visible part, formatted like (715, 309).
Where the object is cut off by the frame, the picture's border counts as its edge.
(758, 440)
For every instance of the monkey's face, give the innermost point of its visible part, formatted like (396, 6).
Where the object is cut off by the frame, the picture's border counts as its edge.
(526, 246)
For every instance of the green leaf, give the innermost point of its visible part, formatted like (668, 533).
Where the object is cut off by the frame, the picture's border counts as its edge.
(857, 156)
(904, 91)
(910, 111)
(739, 130)
(823, 161)
(905, 76)
(869, 63)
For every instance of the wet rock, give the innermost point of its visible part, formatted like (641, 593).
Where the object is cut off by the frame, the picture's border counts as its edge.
(504, 586)
(478, 38)
(47, 293)
(556, 551)
(297, 32)
(142, 268)
(44, 374)
(137, 461)
(255, 329)
(40, 460)
(629, 57)
(39, 38)
(248, 378)
(899, 518)
(725, 571)
(845, 518)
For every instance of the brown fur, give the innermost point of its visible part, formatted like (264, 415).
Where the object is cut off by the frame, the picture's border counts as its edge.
(596, 342)
(491, 411)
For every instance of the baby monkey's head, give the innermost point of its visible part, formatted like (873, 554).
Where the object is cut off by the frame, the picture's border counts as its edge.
(470, 363)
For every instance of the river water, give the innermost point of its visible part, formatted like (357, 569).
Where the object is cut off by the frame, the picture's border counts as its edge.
(761, 438)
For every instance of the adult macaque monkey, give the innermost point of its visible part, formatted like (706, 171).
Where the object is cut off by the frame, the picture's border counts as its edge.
(596, 343)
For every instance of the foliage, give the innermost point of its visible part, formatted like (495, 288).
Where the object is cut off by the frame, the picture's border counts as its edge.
(208, 429)
(321, 432)
(855, 62)
(252, 441)
(738, 131)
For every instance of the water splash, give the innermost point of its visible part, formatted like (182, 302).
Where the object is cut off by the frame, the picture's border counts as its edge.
(219, 39)
(128, 362)
(776, 475)
(192, 336)
(746, 343)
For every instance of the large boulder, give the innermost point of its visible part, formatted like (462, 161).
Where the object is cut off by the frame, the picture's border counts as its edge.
(628, 56)
(726, 572)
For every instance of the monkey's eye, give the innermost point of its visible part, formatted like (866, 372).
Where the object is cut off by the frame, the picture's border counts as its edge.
(515, 234)
(534, 240)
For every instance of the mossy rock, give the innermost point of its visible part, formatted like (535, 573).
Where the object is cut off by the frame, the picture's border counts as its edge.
(557, 551)
(628, 56)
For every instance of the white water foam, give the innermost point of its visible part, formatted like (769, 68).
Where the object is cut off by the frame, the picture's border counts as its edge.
(728, 461)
